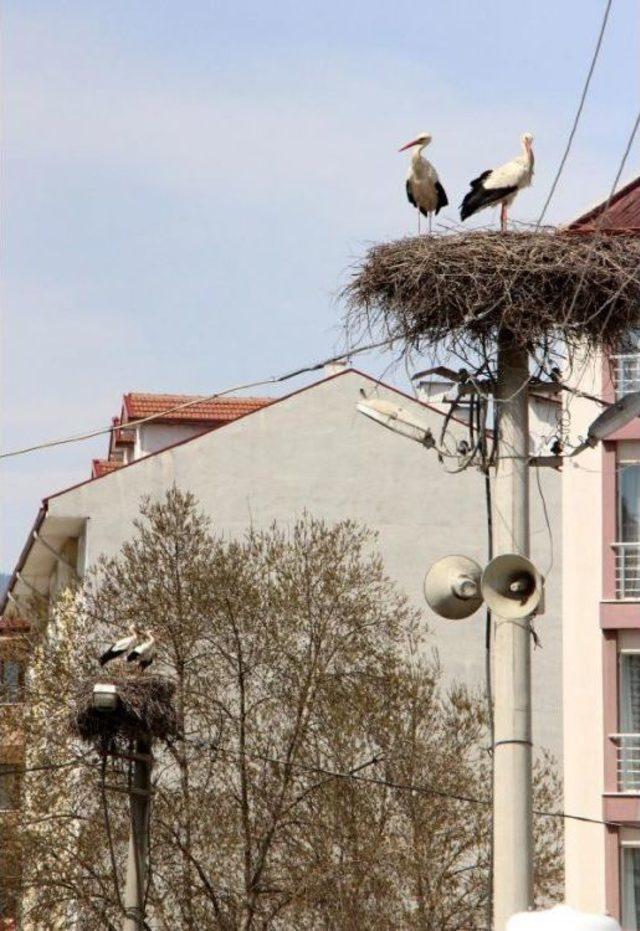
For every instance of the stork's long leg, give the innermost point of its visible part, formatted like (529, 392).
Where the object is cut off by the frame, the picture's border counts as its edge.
(503, 218)
(430, 223)
(418, 212)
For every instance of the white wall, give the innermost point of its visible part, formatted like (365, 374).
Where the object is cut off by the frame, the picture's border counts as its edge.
(154, 436)
(314, 451)
(582, 666)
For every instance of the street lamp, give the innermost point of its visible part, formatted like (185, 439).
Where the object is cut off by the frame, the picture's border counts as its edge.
(105, 696)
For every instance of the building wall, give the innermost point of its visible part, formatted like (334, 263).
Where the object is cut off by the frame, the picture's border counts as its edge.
(315, 452)
(151, 437)
(583, 660)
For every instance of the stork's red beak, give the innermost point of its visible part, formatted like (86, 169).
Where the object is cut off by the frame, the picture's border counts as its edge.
(409, 145)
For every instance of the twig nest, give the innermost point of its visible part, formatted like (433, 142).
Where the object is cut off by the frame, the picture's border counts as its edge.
(144, 708)
(458, 290)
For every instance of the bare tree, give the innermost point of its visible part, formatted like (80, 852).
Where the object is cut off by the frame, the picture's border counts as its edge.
(322, 779)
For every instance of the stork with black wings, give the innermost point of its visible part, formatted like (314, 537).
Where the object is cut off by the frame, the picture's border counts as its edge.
(500, 185)
(424, 190)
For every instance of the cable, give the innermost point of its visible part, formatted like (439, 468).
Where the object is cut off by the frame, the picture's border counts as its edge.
(334, 774)
(598, 234)
(547, 520)
(8, 770)
(576, 119)
(488, 680)
(273, 380)
(387, 783)
(598, 231)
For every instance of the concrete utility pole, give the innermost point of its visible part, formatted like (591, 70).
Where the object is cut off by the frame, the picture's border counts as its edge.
(138, 858)
(512, 825)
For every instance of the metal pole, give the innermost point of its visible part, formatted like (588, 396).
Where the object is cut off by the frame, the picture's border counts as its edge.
(513, 833)
(138, 858)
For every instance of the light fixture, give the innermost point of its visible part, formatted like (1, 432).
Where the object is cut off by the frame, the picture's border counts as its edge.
(105, 696)
(396, 418)
(613, 418)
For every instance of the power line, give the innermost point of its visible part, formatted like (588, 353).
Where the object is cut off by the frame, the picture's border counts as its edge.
(598, 234)
(576, 119)
(388, 783)
(15, 770)
(330, 773)
(273, 380)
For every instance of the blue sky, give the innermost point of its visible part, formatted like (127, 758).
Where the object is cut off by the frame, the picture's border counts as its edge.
(186, 183)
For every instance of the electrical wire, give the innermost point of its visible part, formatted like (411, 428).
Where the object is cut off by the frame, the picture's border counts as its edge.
(388, 783)
(598, 234)
(547, 520)
(576, 119)
(9, 770)
(331, 773)
(273, 380)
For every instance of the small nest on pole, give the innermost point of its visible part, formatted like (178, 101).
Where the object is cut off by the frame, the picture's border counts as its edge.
(145, 708)
(458, 290)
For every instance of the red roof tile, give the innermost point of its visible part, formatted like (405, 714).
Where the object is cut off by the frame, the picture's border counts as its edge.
(100, 467)
(216, 411)
(621, 216)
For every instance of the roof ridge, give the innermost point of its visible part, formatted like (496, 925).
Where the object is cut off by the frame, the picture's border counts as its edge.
(606, 204)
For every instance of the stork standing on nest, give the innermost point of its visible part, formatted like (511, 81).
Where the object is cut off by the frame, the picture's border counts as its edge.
(144, 653)
(500, 185)
(424, 190)
(120, 647)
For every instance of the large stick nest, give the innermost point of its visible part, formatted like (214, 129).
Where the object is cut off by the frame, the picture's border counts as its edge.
(459, 290)
(145, 708)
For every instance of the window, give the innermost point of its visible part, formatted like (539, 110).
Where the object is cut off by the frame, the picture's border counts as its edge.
(628, 531)
(629, 718)
(11, 681)
(8, 786)
(626, 364)
(630, 883)
(629, 503)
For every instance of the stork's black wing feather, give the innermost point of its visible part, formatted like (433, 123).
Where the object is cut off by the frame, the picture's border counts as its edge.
(443, 200)
(410, 196)
(476, 181)
(480, 197)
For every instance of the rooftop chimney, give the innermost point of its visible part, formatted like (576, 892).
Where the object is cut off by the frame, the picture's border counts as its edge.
(335, 367)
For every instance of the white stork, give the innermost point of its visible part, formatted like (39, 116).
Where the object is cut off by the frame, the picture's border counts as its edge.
(120, 647)
(424, 190)
(145, 652)
(500, 185)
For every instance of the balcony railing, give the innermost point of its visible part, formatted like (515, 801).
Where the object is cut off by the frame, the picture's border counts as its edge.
(626, 372)
(627, 762)
(627, 571)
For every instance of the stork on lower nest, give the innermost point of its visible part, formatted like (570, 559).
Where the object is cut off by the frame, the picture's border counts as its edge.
(136, 649)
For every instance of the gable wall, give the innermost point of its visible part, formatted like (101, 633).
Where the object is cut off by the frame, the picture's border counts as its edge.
(314, 451)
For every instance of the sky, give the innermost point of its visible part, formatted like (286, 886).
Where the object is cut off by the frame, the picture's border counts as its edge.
(186, 184)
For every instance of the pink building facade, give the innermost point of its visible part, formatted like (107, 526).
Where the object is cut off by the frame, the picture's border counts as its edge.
(601, 630)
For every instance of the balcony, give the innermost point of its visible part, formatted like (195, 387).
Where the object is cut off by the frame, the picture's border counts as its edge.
(627, 762)
(626, 373)
(627, 556)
